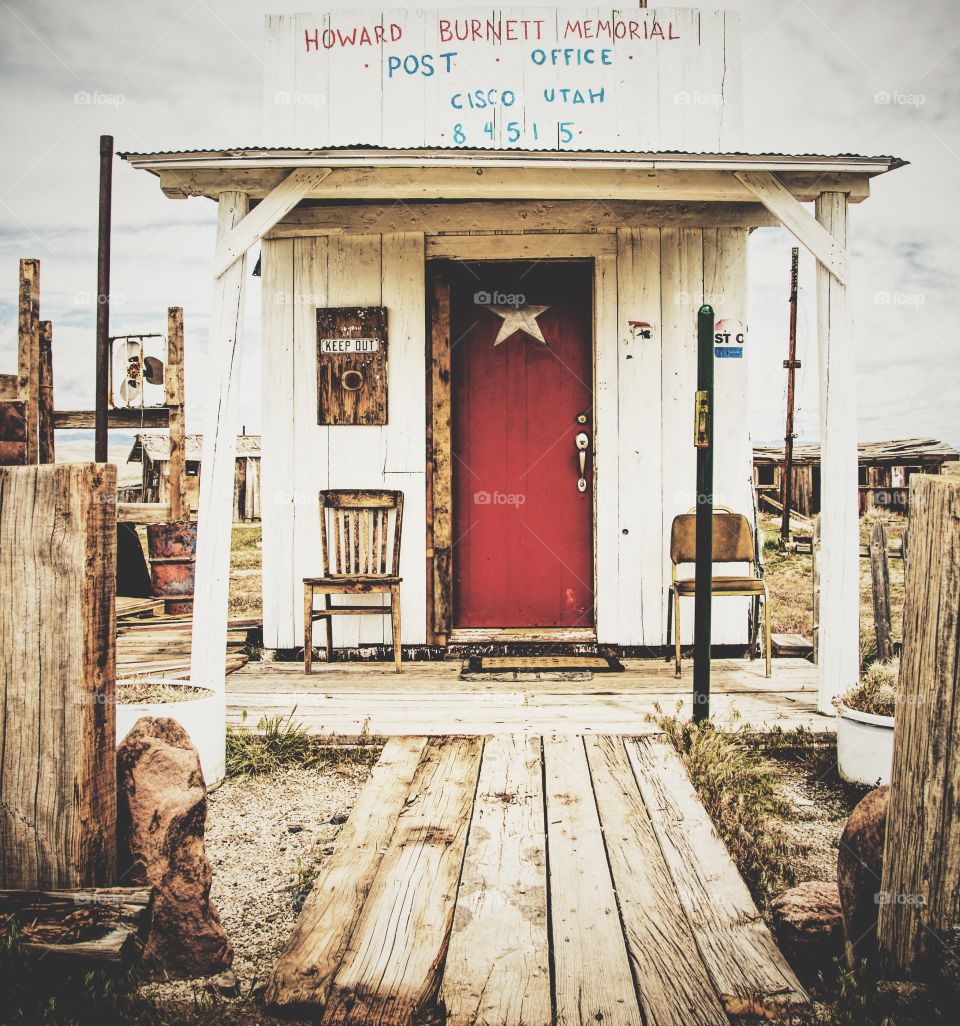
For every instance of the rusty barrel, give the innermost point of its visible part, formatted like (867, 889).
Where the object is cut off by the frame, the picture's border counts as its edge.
(172, 550)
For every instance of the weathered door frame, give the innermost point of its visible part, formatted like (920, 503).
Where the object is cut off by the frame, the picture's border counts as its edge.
(439, 472)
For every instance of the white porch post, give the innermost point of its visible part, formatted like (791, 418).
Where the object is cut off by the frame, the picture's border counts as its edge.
(839, 651)
(208, 651)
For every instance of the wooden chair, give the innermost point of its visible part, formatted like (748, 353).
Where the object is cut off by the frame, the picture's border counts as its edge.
(359, 558)
(732, 543)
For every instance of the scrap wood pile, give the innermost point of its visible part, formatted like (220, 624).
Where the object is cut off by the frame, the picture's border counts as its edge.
(150, 643)
(96, 927)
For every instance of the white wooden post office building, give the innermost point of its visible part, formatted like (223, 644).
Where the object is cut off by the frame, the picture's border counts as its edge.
(531, 204)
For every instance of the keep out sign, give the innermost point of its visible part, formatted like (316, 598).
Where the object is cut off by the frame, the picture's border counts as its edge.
(729, 338)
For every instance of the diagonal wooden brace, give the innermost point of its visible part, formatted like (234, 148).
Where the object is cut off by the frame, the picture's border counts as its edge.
(274, 206)
(795, 217)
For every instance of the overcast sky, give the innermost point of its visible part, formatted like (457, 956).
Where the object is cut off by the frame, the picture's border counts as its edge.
(870, 78)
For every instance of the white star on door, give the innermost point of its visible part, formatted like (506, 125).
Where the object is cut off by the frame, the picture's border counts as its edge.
(518, 318)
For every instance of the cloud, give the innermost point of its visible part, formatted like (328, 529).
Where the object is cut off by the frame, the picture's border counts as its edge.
(188, 74)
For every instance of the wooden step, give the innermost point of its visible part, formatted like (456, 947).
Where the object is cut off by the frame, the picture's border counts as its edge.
(303, 976)
(790, 646)
(391, 970)
(594, 982)
(524, 881)
(747, 968)
(498, 963)
(672, 980)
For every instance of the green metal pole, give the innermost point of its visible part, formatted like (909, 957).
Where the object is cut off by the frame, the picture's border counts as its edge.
(704, 525)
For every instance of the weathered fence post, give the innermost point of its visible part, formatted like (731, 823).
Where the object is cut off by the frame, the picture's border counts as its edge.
(57, 718)
(880, 577)
(815, 573)
(920, 897)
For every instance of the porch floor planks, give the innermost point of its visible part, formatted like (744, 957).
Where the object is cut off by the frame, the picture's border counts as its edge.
(345, 698)
(304, 973)
(672, 981)
(747, 968)
(498, 966)
(391, 969)
(593, 978)
(521, 880)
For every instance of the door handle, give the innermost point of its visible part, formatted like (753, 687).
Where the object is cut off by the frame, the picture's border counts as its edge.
(582, 442)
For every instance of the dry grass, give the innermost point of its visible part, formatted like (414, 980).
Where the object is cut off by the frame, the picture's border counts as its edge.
(245, 578)
(133, 691)
(790, 578)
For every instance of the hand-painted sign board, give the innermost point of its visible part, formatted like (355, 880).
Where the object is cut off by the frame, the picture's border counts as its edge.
(540, 78)
(352, 365)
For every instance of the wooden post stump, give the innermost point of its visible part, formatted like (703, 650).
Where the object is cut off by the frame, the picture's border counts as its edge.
(880, 578)
(919, 916)
(57, 717)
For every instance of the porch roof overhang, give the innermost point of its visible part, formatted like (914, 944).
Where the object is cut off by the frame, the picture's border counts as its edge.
(372, 173)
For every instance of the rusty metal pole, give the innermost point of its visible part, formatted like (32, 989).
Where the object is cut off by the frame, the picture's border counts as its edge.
(103, 300)
(791, 364)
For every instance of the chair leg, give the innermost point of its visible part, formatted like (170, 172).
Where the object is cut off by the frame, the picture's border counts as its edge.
(308, 628)
(754, 626)
(767, 630)
(327, 604)
(666, 657)
(676, 627)
(395, 623)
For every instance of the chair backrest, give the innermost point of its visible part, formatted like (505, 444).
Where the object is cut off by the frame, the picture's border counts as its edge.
(732, 538)
(360, 532)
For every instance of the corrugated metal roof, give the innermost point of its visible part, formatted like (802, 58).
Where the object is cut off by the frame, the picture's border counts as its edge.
(266, 153)
(903, 450)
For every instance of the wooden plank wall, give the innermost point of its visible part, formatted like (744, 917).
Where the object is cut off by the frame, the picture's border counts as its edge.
(300, 457)
(643, 419)
(663, 276)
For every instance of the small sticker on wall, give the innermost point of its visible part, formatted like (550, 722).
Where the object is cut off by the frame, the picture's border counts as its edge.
(729, 338)
(640, 331)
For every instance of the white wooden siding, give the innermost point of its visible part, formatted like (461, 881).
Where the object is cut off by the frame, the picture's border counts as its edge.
(644, 456)
(305, 457)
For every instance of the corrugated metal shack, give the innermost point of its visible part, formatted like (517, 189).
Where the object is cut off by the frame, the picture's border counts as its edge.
(153, 451)
(884, 471)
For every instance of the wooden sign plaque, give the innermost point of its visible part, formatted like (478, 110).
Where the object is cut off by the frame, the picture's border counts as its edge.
(352, 365)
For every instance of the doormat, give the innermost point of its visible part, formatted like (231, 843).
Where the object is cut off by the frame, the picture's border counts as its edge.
(541, 667)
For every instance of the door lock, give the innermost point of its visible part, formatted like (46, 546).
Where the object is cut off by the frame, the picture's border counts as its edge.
(582, 442)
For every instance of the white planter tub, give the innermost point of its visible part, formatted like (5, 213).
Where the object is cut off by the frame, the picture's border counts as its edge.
(203, 718)
(864, 746)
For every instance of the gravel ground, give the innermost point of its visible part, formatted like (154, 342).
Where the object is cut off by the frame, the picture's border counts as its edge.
(266, 838)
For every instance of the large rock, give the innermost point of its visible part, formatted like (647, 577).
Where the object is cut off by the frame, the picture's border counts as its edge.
(859, 872)
(809, 927)
(161, 811)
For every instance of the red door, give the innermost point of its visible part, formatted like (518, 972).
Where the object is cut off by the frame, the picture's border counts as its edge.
(522, 393)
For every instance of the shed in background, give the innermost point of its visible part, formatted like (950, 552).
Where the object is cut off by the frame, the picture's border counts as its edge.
(153, 451)
(884, 472)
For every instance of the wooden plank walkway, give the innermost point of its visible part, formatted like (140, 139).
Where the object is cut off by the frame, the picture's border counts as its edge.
(530, 881)
(429, 698)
